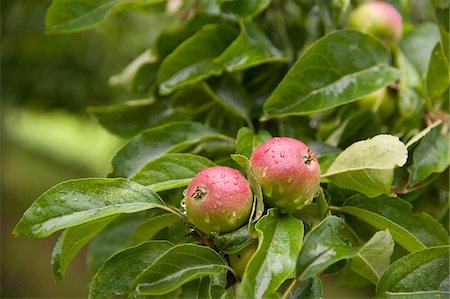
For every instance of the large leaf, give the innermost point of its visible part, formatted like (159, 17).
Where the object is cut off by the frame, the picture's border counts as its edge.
(242, 9)
(199, 288)
(306, 289)
(177, 266)
(353, 170)
(234, 241)
(153, 143)
(148, 229)
(71, 241)
(412, 231)
(431, 155)
(118, 273)
(193, 60)
(421, 274)
(77, 15)
(75, 202)
(438, 75)
(280, 238)
(374, 257)
(324, 245)
(171, 171)
(328, 75)
(251, 48)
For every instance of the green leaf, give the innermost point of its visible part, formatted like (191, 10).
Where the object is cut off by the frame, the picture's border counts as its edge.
(171, 171)
(430, 156)
(251, 48)
(418, 274)
(246, 141)
(200, 288)
(327, 75)
(234, 241)
(155, 142)
(353, 170)
(374, 257)
(412, 231)
(193, 60)
(179, 265)
(280, 239)
(75, 202)
(438, 73)
(242, 9)
(148, 229)
(65, 16)
(118, 273)
(71, 241)
(324, 245)
(306, 289)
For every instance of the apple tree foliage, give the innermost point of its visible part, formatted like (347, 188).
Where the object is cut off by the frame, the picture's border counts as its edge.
(227, 76)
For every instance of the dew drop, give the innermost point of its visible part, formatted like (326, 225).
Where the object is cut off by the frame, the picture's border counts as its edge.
(277, 161)
(184, 192)
(282, 154)
(235, 182)
(222, 175)
(289, 180)
(267, 149)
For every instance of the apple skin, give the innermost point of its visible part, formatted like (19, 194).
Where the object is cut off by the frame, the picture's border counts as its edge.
(288, 172)
(380, 100)
(239, 261)
(378, 18)
(218, 200)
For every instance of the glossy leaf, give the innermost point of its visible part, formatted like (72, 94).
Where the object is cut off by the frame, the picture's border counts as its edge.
(147, 230)
(374, 257)
(64, 16)
(251, 48)
(280, 239)
(193, 60)
(246, 141)
(306, 289)
(200, 288)
(327, 75)
(242, 9)
(71, 241)
(177, 266)
(412, 231)
(118, 273)
(324, 245)
(353, 170)
(418, 274)
(430, 156)
(75, 202)
(171, 171)
(155, 142)
(234, 241)
(438, 76)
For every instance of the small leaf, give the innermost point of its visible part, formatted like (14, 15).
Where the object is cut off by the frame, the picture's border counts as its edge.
(171, 171)
(64, 16)
(353, 170)
(438, 73)
(374, 257)
(234, 241)
(430, 156)
(71, 241)
(179, 265)
(242, 9)
(323, 246)
(412, 231)
(280, 238)
(155, 142)
(327, 75)
(118, 273)
(305, 289)
(418, 274)
(75, 202)
(246, 141)
(148, 229)
(193, 60)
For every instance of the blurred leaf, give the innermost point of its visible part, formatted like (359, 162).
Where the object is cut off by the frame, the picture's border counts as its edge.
(251, 48)
(280, 239)
(242, 9)
(374, 257)
(418, 275)
(430, 156)
(66, 16)
(147, 230)
(179, 265)
(353, 170)
(71, 241)
(155, 142)
(118, 273)
(412, 231)
(327, 75)
(331, 12)
(323, 246)
(75, 202)
(171, 171)
(306, 289)
(438, 76)
(193, 60)
(234, 241)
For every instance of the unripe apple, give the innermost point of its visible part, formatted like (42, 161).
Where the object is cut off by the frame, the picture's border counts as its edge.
(380, 100)
(379, 19)
(239, 261)
(218, 200)
(288, 172)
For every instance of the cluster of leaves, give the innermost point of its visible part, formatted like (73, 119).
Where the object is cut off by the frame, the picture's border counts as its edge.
(225, 77)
